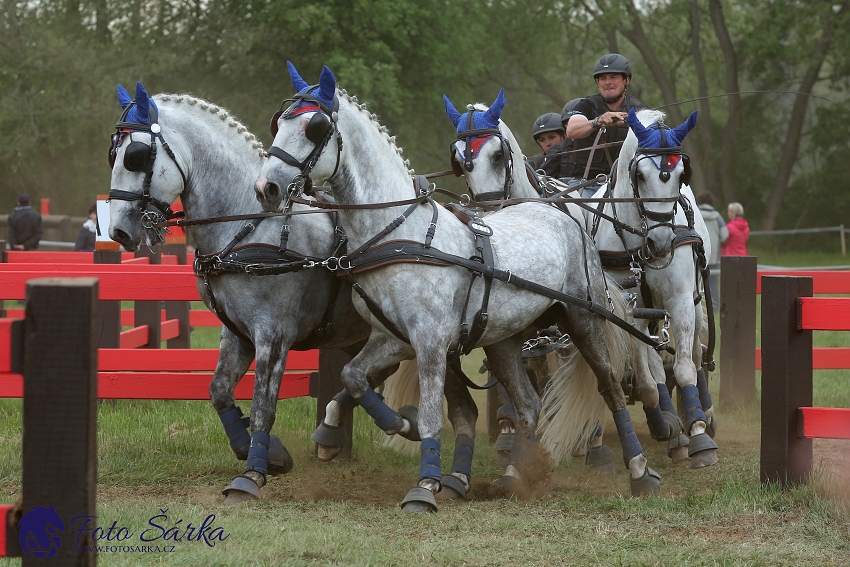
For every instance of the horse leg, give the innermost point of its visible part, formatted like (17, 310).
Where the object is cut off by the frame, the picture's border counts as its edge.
(701, 448)
(265, 448)
(506, 416)
(677, 444)
(463, 414)
(598, 457)
(587, 332)
(505, 358)
(329, 435)
(702, 377)
(234, 358)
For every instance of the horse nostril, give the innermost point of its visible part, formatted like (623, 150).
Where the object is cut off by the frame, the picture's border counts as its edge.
(272, 190)
(120, 236)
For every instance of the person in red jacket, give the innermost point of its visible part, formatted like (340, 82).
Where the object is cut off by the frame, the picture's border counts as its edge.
(739, 232)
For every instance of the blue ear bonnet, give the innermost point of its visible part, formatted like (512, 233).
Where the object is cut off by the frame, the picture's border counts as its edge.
(650, 137)
(325, 92)
(481, 120)
(140, 112)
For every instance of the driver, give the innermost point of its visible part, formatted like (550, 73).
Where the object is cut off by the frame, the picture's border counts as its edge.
(548, 132)
(600, 118)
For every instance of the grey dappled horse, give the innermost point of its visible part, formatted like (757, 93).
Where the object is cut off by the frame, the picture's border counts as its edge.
(425, 304)
(498, 162)
(652, 166)
(213, 164)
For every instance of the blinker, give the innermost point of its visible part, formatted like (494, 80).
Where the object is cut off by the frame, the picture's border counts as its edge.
(317, 128)
(137, 157)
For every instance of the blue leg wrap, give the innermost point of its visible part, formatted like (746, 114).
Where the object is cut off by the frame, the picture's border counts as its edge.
(664, 401)
(658, 427)
(345, 399)
(385, 417)
(628, 437)
(236, 427)
(258, 454)
(430, 459)
(464, 446)
(702, 386)
(693, 409)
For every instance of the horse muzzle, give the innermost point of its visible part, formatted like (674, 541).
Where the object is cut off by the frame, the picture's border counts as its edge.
(268, 194)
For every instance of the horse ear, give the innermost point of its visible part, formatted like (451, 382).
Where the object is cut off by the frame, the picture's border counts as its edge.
(327, 84)
(495, 110)
(297, 82)
(123, 97)
(688, 125)
(634, 123)
(453, 114)
(142, 104)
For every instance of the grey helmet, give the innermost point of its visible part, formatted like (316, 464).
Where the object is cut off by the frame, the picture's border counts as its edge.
(612, 63)
(569, 110)
(549, 122)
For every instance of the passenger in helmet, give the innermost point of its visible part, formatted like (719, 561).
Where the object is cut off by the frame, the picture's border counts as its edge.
(600, 119)
(548, 132)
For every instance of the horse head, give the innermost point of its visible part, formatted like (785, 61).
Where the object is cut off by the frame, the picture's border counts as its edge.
(657, 168)
(141, 184)
(307, 145)
(483, 141)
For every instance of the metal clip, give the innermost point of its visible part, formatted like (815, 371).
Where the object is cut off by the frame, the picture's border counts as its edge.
(465, 200)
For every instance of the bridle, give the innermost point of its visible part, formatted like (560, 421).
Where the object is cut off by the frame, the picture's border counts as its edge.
(320, 129)
(466, 137)
(663, 152)
(140, 157)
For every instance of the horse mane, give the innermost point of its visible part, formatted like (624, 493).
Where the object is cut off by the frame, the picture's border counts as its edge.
(373, 118)
(212, 115)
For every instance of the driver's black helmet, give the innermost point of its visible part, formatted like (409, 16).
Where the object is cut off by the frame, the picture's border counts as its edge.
(612, 63)
(549, 122)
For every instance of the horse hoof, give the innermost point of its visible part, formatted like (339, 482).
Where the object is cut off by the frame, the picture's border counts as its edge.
(675, 423)
(677, 448)
(279, 460)
(419, 501)
(241, 489)
(510, 484)
(330, 436)
(452, 489)
(600, 460)
(702, 451)
(504, 442)
(647, 485)
(325, 453)
(411, 414)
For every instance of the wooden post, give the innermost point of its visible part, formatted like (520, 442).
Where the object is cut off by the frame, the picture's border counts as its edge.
(109, 311)
(178, 309)
(149, 312)
(2, 261)
(329, 384)
(786, 380)
(60, 408)
(737, 330)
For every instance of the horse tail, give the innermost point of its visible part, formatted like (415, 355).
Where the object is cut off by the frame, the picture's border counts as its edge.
(402, 389)
(572, 405)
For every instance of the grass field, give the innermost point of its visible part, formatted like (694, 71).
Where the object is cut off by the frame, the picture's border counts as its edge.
(171, 460)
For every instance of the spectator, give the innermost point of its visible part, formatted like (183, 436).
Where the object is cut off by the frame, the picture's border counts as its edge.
(87, 235)
(717, 234)
(24, 226)
(739, 232)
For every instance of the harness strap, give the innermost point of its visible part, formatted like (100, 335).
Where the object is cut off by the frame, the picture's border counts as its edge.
(592, 151)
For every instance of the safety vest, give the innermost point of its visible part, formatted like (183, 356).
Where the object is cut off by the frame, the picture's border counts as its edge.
(601, 162)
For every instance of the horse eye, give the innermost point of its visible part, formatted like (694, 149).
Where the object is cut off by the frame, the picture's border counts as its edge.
(498, 156)
(640, 175)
